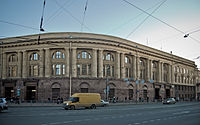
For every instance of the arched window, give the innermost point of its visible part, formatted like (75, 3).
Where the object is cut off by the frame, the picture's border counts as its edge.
(58, 55)
(34, 57)
(108, 57)
(84, 55)
(127, 59)
(13, 58)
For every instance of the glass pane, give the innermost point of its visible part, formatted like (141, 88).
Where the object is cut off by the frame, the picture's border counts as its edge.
(84, 55)
(84, 69)
(58, 69)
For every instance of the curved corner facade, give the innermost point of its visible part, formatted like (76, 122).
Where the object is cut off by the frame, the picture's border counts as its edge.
(57, 65)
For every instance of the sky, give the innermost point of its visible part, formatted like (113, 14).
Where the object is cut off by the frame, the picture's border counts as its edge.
(160, 24)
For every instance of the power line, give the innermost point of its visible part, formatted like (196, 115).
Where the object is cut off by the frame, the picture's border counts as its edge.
(130, 20)
(56, 13)
(186, 35)
(154, 17)
(146, 19)
(28, 27)
(77, 20)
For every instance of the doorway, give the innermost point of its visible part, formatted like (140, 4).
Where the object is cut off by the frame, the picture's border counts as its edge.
(30, 93)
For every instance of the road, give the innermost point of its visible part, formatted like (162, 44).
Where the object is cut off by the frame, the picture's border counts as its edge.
(146, 114)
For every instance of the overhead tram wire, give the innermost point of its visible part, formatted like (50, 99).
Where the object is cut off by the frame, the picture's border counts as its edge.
(160, 20)
(27, 27)
(130, 20)
(56, 13)
(84, 15)
(146, 18)
(69, 13)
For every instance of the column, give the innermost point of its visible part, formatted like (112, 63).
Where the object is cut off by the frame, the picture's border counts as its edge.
(134, 67)
(25, 67)
(100, 63)
(138, 67)
(94, 63)
(150, 68)
(4, 66)
(159, 71)
(148, 71)
(162, 72)
(67, 60)
(117, 65)
(19, 70)
(169, 74)
(172, 74)
(47, 66)
(74, 69)
(122, 66)
(42, 56)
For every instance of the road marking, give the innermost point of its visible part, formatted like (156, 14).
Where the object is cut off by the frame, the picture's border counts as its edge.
(137, 123)
(183, 112)
(152, 120)
(145, 122)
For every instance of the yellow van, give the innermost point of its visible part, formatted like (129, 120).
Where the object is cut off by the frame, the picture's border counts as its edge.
(87, 100)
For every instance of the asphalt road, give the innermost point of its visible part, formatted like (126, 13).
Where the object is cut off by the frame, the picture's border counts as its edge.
(147, 114)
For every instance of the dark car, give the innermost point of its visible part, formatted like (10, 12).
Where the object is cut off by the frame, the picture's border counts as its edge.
(169, 101)
(3, 104)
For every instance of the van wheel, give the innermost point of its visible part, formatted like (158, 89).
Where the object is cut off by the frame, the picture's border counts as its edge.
(72, 107)
(93, 106)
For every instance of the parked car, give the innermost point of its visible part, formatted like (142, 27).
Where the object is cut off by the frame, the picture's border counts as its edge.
(3, 104)
(169, 101)
(104, 103)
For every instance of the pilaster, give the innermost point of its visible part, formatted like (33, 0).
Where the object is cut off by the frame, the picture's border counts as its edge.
(94, 63)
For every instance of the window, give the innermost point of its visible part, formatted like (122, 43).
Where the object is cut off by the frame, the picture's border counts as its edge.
(33, 70)
(34, 57)
(108, 70)
(12, 71)
(84, 55)
(108, 57)
(78, 69)
(63, 69)
(84, 69)
(58, 55)
(127, 60)
(13, 58)
(58, 69)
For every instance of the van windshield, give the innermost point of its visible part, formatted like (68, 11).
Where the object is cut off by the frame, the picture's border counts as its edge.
(74, 99)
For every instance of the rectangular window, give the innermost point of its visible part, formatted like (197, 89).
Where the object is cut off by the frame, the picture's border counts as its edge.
(35, 70)
(104, 73)
(58, 69)
(53, 69)
(108, 70)
(89, 69)
(78, 69)
(63, 69)
(127, 72)
(84, 69)
(113, 71)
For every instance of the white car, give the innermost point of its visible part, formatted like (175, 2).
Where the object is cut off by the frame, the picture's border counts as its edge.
(104, 103)
(3, 104)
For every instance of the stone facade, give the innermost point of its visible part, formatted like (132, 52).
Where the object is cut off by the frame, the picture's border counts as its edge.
(60, 64)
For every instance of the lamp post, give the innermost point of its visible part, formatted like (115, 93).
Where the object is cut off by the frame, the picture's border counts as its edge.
(70, 72)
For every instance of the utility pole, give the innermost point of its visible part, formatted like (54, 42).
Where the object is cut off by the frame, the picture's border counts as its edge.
(70, 74)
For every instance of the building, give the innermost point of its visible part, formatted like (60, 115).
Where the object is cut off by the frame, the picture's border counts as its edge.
(55, 65)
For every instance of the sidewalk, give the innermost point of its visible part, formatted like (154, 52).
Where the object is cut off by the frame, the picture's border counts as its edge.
(60, 105)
